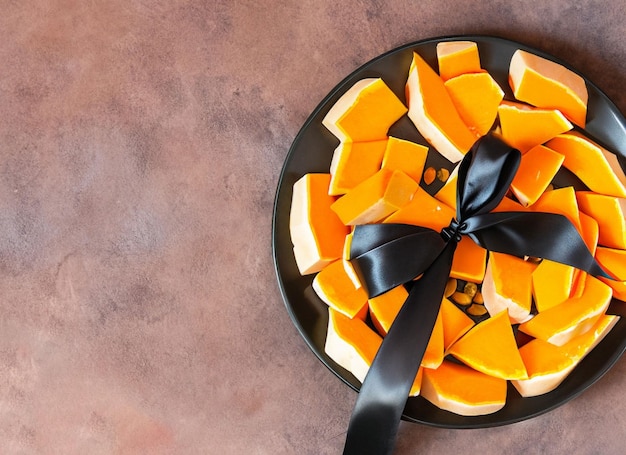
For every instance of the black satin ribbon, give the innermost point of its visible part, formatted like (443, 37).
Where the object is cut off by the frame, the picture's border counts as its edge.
(387, 255)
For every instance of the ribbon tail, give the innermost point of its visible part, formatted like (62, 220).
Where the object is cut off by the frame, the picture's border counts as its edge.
(545, 235)
(385, 390)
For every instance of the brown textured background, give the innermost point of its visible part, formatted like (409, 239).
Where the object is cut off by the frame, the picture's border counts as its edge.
(140, 147)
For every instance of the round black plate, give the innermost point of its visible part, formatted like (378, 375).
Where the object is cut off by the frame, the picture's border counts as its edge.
(312, 151)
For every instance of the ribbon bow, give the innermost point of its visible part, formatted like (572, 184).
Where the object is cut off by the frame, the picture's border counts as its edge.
(387, 255)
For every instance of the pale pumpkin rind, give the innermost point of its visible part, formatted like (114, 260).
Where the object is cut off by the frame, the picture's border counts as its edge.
(316, 232)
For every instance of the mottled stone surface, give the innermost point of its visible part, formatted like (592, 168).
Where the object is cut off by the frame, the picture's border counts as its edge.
(140, 147)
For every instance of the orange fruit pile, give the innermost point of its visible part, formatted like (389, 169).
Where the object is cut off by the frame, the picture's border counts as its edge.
(374, 178)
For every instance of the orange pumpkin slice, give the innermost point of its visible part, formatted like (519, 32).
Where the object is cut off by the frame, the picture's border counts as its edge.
(614, 261)
(433, 356)
(462, 390)
(405, 156)
(595, 166)
(573, 317)
(536, 170)
(544, 83)
(365, 112)
(432, 111)
(375, 198)
(353, 345)
(385, 308)
(578, 347)
(335, 287)
(501, 292)
(525, 127)
(547, 366)
(590, 231)
(455, 323)
(552, 284)
(469, 261)
(457, 57)
(316, 232)
(353, 162)
(610, 213)
(476, 97)
(347, 265)
(490, 348)
(423, 210)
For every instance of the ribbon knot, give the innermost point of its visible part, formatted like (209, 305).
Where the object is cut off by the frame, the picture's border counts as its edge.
(388, 255)
(453, 231)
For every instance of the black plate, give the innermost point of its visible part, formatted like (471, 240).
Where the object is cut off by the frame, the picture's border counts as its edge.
(312, 151)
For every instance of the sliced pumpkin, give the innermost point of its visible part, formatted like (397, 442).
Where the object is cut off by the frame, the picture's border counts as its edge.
(385, 308)
(547, 366)
(352, 344)
(455, 323)
(405, 156)
(353, 162)
(525, 127)
(423, 210)
(501, 293)
(594, 165)
(375, 198)
(365, 112)
(476, 97)
(614, 261)
(490, 347)
(469, 261)
(463, 390)
(578, 347)
(573, 317)
(316, 232)
(432, 111)
(544, 83)
(552, 284)
(610, 213)
(335, 287)
(536, 170)
(456, 58)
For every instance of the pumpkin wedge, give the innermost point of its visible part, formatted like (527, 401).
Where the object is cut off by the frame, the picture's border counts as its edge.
(489, 347)
(463, 390)
(316, 232)
(365, 112)
(457, 57)
(594, 165)
(544, 83)
(573, 317)
(432, 111)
